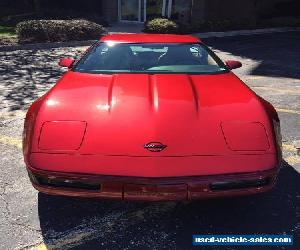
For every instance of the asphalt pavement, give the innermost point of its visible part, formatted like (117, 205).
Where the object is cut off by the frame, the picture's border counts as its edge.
(30, 220)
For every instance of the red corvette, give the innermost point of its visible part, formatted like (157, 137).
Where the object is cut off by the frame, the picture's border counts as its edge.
(151, 117)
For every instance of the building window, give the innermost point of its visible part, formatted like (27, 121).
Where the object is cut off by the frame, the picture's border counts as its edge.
(154, 8)
(142, 10)
(129, 10)
(181, 10)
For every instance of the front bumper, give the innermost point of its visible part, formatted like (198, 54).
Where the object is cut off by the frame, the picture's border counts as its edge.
(152, 189)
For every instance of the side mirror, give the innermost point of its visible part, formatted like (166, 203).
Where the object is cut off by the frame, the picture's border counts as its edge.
(66, 62)
(233, 64)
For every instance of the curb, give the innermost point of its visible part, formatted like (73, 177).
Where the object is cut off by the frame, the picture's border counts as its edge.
(245, 32)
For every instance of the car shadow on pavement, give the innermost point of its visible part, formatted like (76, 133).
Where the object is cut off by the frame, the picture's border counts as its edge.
(105, 224)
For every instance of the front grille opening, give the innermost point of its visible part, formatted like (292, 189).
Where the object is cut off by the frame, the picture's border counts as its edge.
(67, 183)
(231, 185)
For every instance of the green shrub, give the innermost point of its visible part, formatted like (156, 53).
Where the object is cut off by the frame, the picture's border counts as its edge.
(58, 30)
(7, 30)
(162, 25)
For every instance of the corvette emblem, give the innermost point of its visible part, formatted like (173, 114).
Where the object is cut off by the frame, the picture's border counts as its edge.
(155, 146)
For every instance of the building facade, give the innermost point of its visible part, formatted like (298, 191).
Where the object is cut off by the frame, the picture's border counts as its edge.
(186, 10)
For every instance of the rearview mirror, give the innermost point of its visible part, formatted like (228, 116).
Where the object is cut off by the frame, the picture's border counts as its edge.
(233, 64)
(66, 62)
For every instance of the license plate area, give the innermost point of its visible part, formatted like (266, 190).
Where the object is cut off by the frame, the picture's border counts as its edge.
(155, 192)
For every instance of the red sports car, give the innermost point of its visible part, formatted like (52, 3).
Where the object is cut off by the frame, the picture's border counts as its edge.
(151, 117)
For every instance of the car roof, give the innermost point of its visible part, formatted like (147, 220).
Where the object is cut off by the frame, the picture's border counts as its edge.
(149, 38)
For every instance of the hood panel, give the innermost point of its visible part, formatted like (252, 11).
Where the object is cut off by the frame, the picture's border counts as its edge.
(125, 111)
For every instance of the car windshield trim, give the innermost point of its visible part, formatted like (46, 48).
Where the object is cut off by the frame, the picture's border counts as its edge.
(152, 72)
(219, 63)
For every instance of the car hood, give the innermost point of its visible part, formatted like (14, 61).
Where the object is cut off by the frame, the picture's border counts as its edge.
(124, 112)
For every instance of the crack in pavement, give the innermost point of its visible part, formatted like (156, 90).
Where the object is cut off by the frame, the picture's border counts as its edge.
(8, 214)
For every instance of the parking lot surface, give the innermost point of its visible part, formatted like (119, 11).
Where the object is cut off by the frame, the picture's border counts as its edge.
(30, 220)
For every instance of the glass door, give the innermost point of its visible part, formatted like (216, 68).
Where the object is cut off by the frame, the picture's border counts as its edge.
(130, 10)
(142, 10)
(155, 8)
(180, 10)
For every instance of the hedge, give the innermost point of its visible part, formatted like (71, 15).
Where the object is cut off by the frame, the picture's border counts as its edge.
(162, 25)
(58, 30)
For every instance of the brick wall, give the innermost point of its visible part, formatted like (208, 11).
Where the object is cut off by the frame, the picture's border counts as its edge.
(229, 9)
(15, 7)
(234, 9)
(198, 10)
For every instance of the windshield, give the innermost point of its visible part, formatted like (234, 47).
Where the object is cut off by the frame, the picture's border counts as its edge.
(150, 58)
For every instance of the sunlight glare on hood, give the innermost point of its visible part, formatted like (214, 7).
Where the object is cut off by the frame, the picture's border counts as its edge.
(106, 106)
(52, 102)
